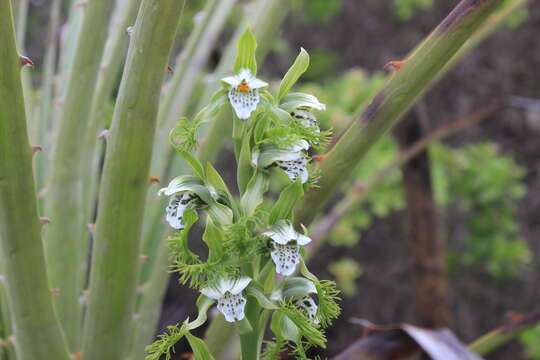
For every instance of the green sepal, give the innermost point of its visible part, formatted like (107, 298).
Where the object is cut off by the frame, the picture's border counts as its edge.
(194, 163)
(200, 350)
(245, 167)
(203, 304)
(299, 66)
(280, 115)
(214, 238)
(298, 287)
(246, 47)
(220, 213)
(297, 100)
(179, 244)
(287, 200)
(219, 98)
(261, 298)
(243, 326)
(190, 183)
(284, 328)
(254, 195)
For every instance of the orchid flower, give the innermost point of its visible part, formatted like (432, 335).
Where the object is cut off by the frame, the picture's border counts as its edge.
(244, 92)
(292, 160)
(228, 294)
(285, 242)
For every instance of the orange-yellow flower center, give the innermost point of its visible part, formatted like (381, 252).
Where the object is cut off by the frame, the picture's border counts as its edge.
(243, 87)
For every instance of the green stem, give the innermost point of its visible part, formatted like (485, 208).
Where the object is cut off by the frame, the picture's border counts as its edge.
(35, 327)
(400, 92)
(115, 257)
(66, 237)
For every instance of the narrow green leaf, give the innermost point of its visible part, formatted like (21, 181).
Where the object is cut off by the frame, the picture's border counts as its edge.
(260, 129)
(286, 202)
(243, 326)
(245, 169)
(299, 66)
(199, 348)
(214, 179)
(245, 58)
(193, 163)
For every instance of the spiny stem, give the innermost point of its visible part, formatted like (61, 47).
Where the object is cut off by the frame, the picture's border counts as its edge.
(35, 327)
(115, 257)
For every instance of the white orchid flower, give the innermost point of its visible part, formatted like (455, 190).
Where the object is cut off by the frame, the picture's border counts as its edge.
(292, 160)
(286, 244)
(183, 190)
(310, 307)
(244, 92)
(228, 294)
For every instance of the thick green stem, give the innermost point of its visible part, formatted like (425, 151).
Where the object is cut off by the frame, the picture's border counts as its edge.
(111, 63)
(400, 92)
(115, 257)
(66, 237)
(188, 68)
(35, 327)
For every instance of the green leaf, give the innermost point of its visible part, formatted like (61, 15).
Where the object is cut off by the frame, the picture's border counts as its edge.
(260, 129)
(193, 163)
(298, 287)
(261, 298)
(245, 58)
(286, 202)
(199, 348)
(179, 244)
(203, 304)
(243, 326)
(213, 237)
(254, 194)
(299, 66)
